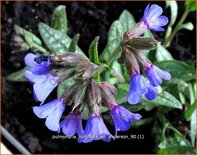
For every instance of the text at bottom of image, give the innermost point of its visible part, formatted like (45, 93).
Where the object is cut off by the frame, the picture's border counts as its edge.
(129, 137)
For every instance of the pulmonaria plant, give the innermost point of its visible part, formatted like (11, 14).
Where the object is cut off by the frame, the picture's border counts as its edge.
(89, 91)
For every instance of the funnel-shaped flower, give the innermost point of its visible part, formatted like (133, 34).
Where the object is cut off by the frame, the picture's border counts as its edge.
(42, 84)
(95, 130)
(122, 118)
(37, 65)
(155, 75)
(152, 18)
(52, 111)
(72, 124)
(138, 87)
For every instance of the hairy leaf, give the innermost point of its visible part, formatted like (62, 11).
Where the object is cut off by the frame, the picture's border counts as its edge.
(166, 99)
(162, 53)
(127, 20)
(93, 51)
(59, 19)
(55, 40)
(17, 76)
(73, 44)
(178, 69)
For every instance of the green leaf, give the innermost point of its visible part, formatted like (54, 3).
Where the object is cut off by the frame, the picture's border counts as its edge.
(190, 5)
(178, 69)
(64, 85)
(188, 113)
(55, 40)
(127, 20)
(193, 127)
(29, 40)
(115, 35)
(187, 26)
(148, 34)
(59, 19)
(21, 31)
(114, 38)
(141, 122)
(166, 99)
(178, 150)
(85, 113)
(162, 53)
(122, 91)
(73, 44)
(17, 76)
(93, 51)
(173, 11)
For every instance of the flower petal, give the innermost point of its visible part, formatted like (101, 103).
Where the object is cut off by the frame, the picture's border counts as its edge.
(152, 93)
(163, 74)
(95, 130)
(35, 78)
(154, 12)
(152, 75)
(69, 125)
(122, 118)
(44, 110)
(29, 59)
(42, 90)
(134, 98)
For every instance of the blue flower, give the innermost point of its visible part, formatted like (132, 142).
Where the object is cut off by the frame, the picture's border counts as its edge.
(152, 18)
(155, 75)
(35, 67)
(152, 93)
(138, 87)
(52, 111)
(95, 130)
(122, 118)
(72, 124)
(42, 84)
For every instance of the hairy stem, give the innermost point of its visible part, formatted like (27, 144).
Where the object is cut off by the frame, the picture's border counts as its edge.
(176, 29)
(113, 55)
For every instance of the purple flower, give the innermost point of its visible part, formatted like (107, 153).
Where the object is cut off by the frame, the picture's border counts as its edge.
(155, 75)
(138, 87)
(72, 124)
(52, 111)
(95, 130)
(152, 18)
(37, 68)
(122, 118)
(42, 84)
(152, 93)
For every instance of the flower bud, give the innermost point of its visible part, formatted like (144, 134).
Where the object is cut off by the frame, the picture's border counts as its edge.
(67, 95)
(94, 97)
(109, 86)
(68, 59)
(142, 43)
(85, 70)
(140, 57)
(80, 95)
(135, 32)
(107, 96)
(130, 61)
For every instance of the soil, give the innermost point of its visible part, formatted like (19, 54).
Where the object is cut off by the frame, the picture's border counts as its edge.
(90, 19)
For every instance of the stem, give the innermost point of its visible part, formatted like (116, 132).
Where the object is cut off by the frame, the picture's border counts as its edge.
(176, 29)
(113, 55)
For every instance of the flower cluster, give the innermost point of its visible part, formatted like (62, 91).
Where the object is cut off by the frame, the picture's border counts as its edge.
(134, 59)
(45, 76)
(47, 72)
